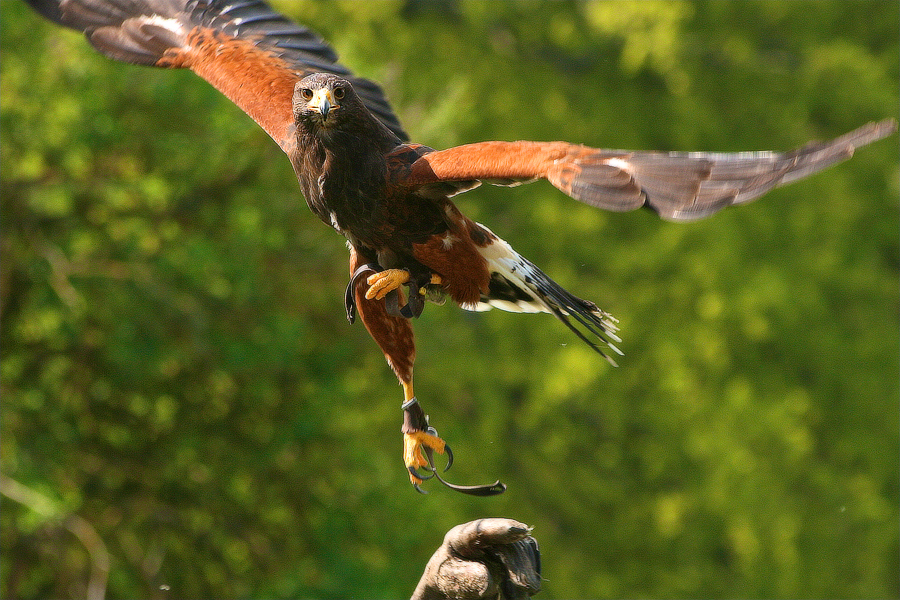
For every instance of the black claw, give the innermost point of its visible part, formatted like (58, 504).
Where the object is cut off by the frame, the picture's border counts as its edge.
(429, 454)
(449, 457)
(415, 473)
(418, 489)
(447, 450)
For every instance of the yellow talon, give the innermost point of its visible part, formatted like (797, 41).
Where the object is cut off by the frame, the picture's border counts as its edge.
(381, 284)
(413, 453)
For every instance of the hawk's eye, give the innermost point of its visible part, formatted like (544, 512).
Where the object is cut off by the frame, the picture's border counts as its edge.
(338, 93)
(306, 93)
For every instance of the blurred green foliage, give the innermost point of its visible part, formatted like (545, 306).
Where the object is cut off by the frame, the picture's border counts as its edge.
(178, 371)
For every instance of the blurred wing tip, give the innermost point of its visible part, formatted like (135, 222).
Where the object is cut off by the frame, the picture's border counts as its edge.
(881, 129)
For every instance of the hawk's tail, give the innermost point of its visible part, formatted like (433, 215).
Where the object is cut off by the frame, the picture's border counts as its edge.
(517, 285)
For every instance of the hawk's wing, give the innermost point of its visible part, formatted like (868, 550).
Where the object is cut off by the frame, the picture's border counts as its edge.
(677, 185)
(249, 52)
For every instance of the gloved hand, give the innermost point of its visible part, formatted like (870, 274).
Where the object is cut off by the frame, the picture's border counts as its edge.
(489, 558)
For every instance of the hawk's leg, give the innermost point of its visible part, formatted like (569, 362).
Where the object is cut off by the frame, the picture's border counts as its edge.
(394, 335)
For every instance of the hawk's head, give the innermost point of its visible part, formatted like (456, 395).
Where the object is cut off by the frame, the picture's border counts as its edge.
(323, 101)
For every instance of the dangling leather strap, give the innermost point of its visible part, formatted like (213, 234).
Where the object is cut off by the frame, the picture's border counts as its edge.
(349, 295)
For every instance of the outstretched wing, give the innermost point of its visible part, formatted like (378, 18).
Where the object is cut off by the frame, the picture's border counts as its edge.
(679, 186)
(249, 52)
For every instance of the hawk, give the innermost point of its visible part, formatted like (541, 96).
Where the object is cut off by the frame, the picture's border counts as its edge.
(391, 199)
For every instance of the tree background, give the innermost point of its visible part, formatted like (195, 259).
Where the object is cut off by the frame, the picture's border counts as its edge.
(178, 372)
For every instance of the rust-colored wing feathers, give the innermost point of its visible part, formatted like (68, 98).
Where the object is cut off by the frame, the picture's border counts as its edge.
(677, 185)
(501, 163)
(692, 185)
(253, 78)
(246, 50)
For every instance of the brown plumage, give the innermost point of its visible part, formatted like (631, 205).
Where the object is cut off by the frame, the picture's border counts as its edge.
(391, 199)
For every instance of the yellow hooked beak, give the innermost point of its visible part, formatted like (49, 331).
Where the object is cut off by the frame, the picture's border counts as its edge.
(324, 101)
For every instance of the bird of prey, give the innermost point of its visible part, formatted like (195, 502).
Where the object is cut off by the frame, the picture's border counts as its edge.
(391, 199)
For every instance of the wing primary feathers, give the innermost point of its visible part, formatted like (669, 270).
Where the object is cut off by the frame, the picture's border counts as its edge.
(684, 186)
